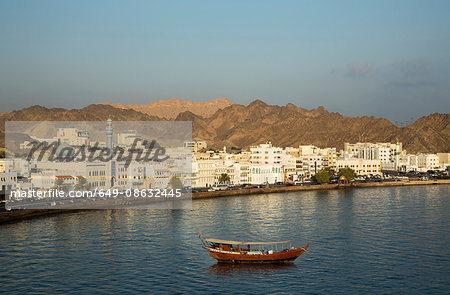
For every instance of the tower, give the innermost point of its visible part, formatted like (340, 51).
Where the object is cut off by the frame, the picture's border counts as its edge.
(397, 153)
(109, 133)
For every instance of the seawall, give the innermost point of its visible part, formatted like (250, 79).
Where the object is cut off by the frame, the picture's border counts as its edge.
(284, 189)
(17, 215)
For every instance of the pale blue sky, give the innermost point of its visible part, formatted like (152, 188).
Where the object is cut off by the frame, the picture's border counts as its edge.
(381, 58)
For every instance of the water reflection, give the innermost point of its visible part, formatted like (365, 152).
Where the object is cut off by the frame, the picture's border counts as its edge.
(230, 269)
(362, 241)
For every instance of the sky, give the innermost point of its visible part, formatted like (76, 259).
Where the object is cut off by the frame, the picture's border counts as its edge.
(377, 58)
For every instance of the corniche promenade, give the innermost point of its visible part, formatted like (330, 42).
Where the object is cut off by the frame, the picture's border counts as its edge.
(286, 189)
(18, 215)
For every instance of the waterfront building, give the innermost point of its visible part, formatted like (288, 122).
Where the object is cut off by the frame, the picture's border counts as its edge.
(444, 160)
(43, 179)
(204, 172)
(225, 167)
(241, 173)
(313, 163)
(260, 165)
(8, 176)
(387, 153)
(292, 168)
(370, 151)
(330, 154)
(104, 175)
(289, 164)
(266, 154)
(383, 151)
(427, 161)
(405, 163)
(20, 166)
(312, 159)
(96, 173)
(265, 174)
(162, 177)
(360, 166)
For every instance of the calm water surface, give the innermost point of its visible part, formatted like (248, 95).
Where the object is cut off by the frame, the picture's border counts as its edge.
(375, 240)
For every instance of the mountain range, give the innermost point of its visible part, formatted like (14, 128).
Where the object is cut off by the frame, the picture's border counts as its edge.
(169, 109)
(221, 123)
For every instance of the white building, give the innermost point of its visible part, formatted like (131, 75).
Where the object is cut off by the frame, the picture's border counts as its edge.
(225, 167)
(407, 162)
(313, 163)
(360, 166)
(204, 172)
(290, 170)
(444, 160)
(311, 150)
(266, 154)
(384, 151)
(427, 161)
(265, 174)
(43, 179)
(241, 173)
(8, 176)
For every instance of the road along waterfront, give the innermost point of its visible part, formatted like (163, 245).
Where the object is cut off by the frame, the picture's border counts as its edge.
(17, 215)
(327, 186)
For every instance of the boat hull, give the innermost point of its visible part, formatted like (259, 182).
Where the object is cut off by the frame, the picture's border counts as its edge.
(283, 257)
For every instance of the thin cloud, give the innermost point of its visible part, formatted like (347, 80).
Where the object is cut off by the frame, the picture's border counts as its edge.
(359, 70)
(412, 73)
(411, 83)
(413, 68)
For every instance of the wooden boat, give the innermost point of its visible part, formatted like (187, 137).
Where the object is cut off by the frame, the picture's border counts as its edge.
(251, 252)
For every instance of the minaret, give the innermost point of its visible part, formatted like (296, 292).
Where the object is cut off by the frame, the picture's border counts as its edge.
(109, 133)
(397, 154)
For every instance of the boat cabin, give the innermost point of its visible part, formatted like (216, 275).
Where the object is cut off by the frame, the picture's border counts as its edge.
(249, 248)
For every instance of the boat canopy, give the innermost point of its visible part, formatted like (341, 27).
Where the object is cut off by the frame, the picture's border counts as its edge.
(218, 241)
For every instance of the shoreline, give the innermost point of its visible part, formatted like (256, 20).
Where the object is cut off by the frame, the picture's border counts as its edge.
(286, 189)
(19, 215)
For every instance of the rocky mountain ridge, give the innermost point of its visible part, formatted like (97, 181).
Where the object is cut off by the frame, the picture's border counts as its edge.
(243, 126)
(169, 109)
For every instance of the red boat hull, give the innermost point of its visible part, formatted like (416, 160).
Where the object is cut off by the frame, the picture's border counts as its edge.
(288, 256)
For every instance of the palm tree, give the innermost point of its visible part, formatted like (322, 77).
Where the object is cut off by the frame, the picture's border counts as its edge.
(60, 185)
(175, 183)
(223, 178)
(81, 184)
